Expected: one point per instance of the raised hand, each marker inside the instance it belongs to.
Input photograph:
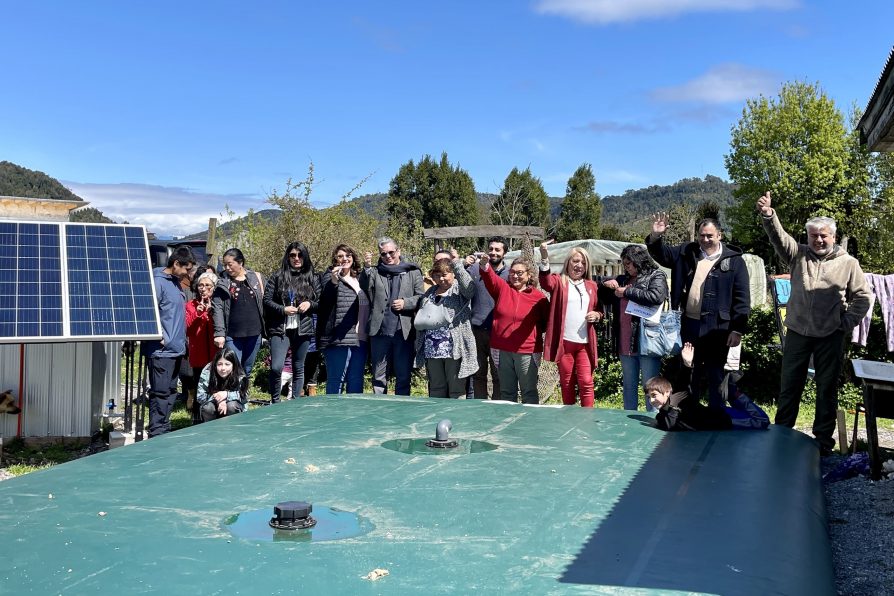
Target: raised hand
(544, 251)
(453, 254)
(660, 221)
(687, 353)
(470, 260)
(368, 259)
(765, 204)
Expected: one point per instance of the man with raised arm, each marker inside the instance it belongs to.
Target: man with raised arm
(829, 297)
(709, 283)
(482, 317)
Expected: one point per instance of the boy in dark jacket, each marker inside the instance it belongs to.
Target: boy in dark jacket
(678, 410)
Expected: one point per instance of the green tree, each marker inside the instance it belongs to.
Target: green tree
(264, 239)
(89, 215)
(433, 194)
(796, 146)
(521, 202)
(581, 209)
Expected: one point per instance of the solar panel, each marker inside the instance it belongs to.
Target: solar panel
(68, 281)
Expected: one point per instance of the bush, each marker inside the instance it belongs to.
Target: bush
(762, 361)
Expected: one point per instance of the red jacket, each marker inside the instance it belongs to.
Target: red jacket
(555, 325)
(519, 317)
(199, 335)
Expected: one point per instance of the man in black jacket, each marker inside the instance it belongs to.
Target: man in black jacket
(709, 283)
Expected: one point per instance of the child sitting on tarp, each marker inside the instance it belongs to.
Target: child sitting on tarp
(678, 410)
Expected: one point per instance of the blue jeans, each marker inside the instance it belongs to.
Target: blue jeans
(279, 345)
(631, 368)
(345, 365)
(246, 349)
(397, 352)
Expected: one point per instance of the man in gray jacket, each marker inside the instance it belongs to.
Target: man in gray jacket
(829, 297)
(394, 287)
(164, 356)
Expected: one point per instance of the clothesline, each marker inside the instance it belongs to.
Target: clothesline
(882, 290)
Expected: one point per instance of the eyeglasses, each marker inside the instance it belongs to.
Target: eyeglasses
(388, 253)
(518, 272)
(294, 255)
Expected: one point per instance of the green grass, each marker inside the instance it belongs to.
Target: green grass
(20, 458)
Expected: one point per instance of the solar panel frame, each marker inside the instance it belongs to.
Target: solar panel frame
(69, 281)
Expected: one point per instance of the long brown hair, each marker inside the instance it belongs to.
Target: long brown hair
(356, 267)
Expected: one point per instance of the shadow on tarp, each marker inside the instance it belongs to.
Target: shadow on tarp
(731, 512)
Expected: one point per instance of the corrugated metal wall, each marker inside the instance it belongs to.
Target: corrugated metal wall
(66, 386)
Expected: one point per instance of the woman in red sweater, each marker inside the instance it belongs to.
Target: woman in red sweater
(570, 336)
(200, 331)
(520, 312)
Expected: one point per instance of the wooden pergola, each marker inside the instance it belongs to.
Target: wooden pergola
(483, 232)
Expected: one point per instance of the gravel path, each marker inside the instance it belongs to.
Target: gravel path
(861, 528)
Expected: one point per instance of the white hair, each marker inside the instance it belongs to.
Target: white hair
(818, 223)
(386, 240)
(209, 276)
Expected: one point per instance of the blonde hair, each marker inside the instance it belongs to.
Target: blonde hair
(576, 251)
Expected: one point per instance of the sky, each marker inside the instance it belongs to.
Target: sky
(167, 113)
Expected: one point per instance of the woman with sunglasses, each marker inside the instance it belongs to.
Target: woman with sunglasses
(290, 299)
(519, 317)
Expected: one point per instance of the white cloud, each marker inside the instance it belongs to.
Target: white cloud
(625, 11)
(723, 83)
(166, 211)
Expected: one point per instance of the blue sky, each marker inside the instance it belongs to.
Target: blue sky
(163, 112)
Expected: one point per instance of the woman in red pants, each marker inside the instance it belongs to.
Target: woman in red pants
(570, 339)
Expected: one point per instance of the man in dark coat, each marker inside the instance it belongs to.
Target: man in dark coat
(709, 284)
(394, 287)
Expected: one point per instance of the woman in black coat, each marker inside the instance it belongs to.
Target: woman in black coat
(290, 299)
(645, 284)
(342, 322)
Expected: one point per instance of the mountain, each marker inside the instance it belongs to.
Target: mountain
(628, 212)
(16, 181)
(225, 229)
(635, 206)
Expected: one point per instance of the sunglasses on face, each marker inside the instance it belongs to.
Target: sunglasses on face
(388, 253)
(294, 255)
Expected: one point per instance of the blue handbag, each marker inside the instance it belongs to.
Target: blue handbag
(662, 338)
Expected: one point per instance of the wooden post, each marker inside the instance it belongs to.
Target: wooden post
(211, 240)
(842, 432)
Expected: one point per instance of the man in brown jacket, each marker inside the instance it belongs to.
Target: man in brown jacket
(829, 297)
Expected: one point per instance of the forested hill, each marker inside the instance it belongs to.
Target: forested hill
(636, 205)
(16, 181)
